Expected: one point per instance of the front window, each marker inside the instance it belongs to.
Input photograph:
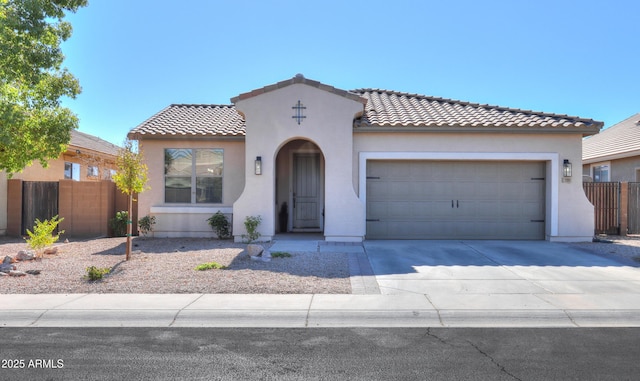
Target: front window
(193, 176)
(601, 173)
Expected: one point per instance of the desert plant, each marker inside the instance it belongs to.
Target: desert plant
(145, 224)
(280, 254)
(42, 235)
(119, 223)
(251, 224)
(209, 266)
(96, 273)
(220, 225)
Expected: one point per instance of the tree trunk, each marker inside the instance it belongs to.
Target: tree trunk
(129, 226)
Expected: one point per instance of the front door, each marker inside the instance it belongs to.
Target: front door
(307, 200)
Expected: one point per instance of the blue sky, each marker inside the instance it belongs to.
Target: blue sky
(135, 57)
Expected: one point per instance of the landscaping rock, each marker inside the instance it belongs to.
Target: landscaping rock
(254, 250)
(7, 260)
(17, 273)
(7, 267)
(263, 255)
(266, 255)
(51, 250)
(33, 272)
(25, 255)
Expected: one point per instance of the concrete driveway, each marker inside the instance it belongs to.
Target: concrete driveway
(447, 270)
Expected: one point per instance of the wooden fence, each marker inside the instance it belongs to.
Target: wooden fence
(86, 206)
(633, 226)
(605, 198)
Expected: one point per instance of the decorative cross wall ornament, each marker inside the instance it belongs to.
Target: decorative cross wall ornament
(298, 116)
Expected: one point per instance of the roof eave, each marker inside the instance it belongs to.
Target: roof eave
(584, 131)
(617, 156)
(299, 79)
(141, 136)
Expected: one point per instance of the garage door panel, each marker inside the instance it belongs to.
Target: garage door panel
(533, 189)
(480, 190)
(450, 200)
(509, 190)
(535, 210)
(401, 189)
(377, 210)
(400, 209)
(377, 190)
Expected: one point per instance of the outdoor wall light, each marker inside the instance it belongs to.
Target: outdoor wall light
(258, 165)
(566, 168)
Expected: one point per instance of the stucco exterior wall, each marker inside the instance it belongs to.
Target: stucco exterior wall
(189, 220)
(569, 214)
(627, 169)
(328, 124)
(55, 168)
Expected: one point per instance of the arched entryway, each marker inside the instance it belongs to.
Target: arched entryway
(299, 187)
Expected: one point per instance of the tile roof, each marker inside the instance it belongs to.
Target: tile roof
(180, 120)
(299, 78)
(616, 142)
(395, 110)
(94, 143)
(382, 110)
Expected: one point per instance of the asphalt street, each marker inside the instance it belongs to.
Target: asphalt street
(319, 354)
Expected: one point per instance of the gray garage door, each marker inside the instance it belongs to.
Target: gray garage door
(455, 200)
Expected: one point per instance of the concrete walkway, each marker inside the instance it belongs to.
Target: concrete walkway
(395, 284)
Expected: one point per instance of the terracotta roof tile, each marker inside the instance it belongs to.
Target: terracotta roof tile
(299, 78)
(394, 109)
(618, 141)
(192, 120)
(382, 110)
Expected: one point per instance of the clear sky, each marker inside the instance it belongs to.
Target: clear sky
(135, 57)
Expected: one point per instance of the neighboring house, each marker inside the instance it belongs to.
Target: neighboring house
(87, 158)
(365, 164)
(614, 153)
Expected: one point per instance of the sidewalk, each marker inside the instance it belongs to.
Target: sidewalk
(458, 284)
(309, 311)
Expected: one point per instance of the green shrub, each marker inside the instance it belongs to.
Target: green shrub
(280, 254)
(96, 273)
(209, 266)
(220, 225)
(42, 235)
(251, 224)
(145, 224)
(119, 223)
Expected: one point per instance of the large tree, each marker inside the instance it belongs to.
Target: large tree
(33, 124)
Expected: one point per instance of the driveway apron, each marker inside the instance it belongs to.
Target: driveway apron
(443, 269)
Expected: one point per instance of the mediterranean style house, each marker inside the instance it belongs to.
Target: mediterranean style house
(365, 164)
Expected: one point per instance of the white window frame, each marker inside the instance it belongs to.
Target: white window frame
(75, 171)
(195, 176)
(595, 166)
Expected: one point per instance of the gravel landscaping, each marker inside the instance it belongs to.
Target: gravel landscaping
(621, 247)
(163, 265)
